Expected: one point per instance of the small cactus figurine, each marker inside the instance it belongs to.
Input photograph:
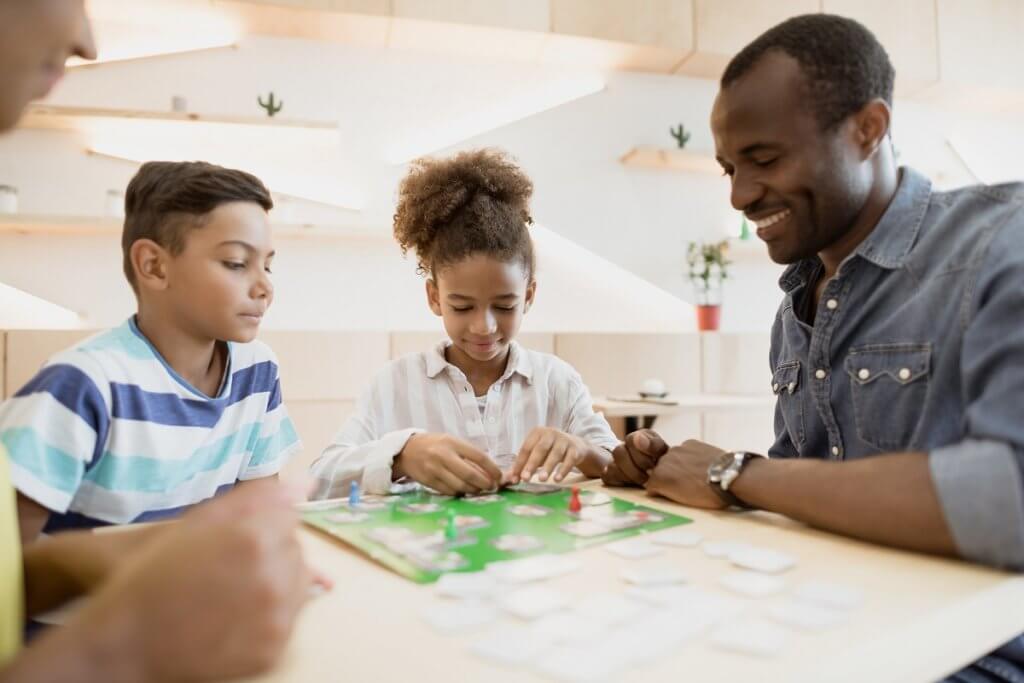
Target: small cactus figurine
(681, 135)
(271, 106)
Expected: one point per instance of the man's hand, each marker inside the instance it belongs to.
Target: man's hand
(213, 596)
(633, 460)
(547, 452)
(682, 475)
(447, 464)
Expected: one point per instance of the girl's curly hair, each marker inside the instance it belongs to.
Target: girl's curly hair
(475, 202)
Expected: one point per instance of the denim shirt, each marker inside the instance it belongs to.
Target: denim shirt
(918, 345)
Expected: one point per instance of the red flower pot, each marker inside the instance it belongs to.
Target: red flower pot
(708, 317)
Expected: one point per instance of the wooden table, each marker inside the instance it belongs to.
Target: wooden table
(922, 618)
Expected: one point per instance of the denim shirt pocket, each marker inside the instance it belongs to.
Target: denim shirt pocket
(889, 383)
(786, 386)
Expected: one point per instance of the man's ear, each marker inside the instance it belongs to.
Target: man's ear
(433, 297)
(149, 262)
(531, 291)
(872, 126)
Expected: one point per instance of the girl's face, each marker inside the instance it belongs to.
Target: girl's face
(482, 302)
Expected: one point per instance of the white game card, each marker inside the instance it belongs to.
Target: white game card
(585, 529)
(608, 608)
(346, 517)
(678, 538)
(459, 616)
(634, 548)
(752, 584)
(762, 560)
(528, 510)
(719, 549)
(805, 616)
(467, 585)
(750, 637)
(582, 663)
(534, 568)
(567, 627)
(829, 594)
(533, 601)
(653, 576)
(517, 543)
(511, 645)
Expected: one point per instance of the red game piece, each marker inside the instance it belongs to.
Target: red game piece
(574, 501)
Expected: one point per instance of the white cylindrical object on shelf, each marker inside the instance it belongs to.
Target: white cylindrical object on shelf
(8, 199)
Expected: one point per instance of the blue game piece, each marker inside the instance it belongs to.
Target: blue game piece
(353, 494)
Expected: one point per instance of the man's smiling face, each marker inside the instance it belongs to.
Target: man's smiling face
(797, 183)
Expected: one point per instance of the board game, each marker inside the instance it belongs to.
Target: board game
(422, 535)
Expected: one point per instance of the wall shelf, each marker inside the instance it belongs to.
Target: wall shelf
(671, 159)
(55, 117)
(35, 224)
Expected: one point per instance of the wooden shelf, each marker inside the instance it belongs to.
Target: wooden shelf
(53, 117)
(672, 159)
(31, 224)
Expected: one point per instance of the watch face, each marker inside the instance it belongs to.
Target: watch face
(719, 467)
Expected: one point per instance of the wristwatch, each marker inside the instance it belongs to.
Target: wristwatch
(723, 472)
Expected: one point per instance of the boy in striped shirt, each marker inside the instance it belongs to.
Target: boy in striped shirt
(179, 403)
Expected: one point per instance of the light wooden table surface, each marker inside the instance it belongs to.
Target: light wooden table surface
(683, 403)
(922, 617)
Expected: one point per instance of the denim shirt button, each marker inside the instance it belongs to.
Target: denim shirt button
(775, 387)
(905, 373)
(820, 373)
(791, 387)
(864, 373)
(835, 450)
(832, 304)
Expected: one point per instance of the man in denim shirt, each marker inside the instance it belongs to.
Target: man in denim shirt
(901, 332)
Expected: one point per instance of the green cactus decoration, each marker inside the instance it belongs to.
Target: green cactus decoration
(681, 135)
(271, 106)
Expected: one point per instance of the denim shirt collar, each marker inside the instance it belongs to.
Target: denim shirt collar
(888, 245)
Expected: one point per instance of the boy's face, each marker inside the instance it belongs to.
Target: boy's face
(219, 286)
(36, 38)
(482, 302)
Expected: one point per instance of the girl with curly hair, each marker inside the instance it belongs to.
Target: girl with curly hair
(478, 411)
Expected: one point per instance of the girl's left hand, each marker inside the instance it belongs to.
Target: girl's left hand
(546, 452)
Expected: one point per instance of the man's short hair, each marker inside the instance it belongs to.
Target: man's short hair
(166, 199)
(844, 64)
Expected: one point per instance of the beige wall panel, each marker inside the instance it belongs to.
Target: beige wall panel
(604, 54)
(3, 365)
(736, 363)
(327, 365)
(519, 15)
(980, 42)
(660, 23)
(316, 422)
(906, 29)
(724, 27)
(364, 23)
(27, 350)
(618, 363)
(404, 343)
(735, 430)
(456, 38)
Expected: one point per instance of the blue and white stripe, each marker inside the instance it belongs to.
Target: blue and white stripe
(108, 433)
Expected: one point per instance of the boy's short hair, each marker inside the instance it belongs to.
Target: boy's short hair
(166, 199)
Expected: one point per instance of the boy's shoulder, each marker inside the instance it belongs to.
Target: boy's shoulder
(252, 353)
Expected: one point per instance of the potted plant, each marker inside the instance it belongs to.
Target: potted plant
(707, 268)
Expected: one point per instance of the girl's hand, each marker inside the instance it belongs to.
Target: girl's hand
(546, 452)
(447, 464)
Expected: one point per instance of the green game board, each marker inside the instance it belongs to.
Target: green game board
(388, 530)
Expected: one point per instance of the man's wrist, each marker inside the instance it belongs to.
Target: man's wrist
(726, 470)
(744, 486)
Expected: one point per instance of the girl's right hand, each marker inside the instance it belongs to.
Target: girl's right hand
(447, 464)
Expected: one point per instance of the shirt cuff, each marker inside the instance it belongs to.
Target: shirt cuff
(981, 490)
(377, 473)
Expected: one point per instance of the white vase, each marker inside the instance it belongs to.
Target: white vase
(115, 204)
(8, 199)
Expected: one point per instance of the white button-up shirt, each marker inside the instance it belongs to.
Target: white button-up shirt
(423, 392)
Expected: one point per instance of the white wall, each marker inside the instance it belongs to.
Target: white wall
(636, 219)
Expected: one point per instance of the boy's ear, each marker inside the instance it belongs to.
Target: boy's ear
(531, 291)
(433, 297)
(149, 261)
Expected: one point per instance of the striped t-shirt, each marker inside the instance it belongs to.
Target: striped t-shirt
(108, 433)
